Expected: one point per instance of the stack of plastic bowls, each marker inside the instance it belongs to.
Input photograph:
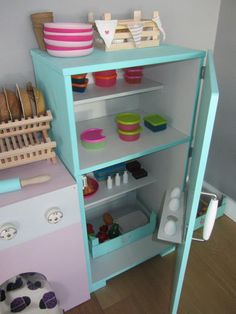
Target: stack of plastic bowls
(105, 78)
(79, 83)
(68, 39)
(133, 75)
(128, 126)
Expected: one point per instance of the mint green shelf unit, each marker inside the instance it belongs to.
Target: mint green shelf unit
(171, 88)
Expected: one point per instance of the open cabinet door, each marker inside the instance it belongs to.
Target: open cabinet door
(202, 138)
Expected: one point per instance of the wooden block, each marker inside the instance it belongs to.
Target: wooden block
(137, 15)
(107, 16)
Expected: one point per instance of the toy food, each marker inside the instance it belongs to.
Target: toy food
(13, 104)
(90, 188)
(133, 166)
(141, 173)
(102, 234)
(25, 102)
(4, 111)
(114, 231)
(93, 138)
(107, 218)
(90, 229)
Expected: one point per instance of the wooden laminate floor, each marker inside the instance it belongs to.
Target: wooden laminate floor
(209, 287)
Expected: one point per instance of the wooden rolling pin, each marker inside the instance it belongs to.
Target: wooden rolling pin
(15, 184)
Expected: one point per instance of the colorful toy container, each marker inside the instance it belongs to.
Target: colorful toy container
(105, 78)
(80, 88)
(129, 136)
(128, 121)
(155, 122)
(133, 75)
(93, 138)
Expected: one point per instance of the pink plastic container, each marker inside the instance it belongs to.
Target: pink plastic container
(131, 79)
(125, 127)
(106, 81)
(134, 71)
(105, 73)
(129, 136)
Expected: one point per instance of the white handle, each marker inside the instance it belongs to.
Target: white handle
(210, 219)
(35, 180)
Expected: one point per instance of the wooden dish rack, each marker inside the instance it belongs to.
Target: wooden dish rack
(26, 141)
(123, 39)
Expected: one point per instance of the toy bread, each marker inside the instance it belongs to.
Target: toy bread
(13, 104)
(39, 101)
(37, 98)
(25, 102)
(4, 110)
(30, 92)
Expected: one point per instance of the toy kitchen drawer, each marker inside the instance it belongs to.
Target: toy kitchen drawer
(36, 209)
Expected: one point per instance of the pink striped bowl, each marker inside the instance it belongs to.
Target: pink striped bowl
(87, 33)
(68, 43)
(67, 27)
(69, 38)
(69, 51)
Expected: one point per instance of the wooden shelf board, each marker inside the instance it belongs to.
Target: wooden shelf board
(111, 264)
(117, 150)
(103, 194)
(95, 93)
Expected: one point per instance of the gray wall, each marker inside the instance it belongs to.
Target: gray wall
(191, 23)
(221, 168)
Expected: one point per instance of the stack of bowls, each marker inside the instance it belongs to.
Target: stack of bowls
(68, 39)
(105, 78)
(128, 126)
(79, 83)
(133, 75)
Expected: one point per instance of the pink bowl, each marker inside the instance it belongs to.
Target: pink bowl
(69, 38)
(70, 52)
(129, 138)
(126, 127)
(68, 43)
(50, 47)
(87, 33)
(67, 27)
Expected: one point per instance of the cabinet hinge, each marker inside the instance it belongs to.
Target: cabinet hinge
(190, 152)
(203, 72)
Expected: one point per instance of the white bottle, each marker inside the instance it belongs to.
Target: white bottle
(117, 179)
(109, 183)
(125, 177)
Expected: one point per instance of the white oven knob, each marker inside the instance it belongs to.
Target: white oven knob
(7, 232)
(54, 215)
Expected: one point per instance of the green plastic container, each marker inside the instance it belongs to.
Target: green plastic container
(155, 122)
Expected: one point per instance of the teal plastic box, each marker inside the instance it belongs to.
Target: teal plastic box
(98, 249)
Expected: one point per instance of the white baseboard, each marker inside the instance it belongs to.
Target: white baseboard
(230, 208)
